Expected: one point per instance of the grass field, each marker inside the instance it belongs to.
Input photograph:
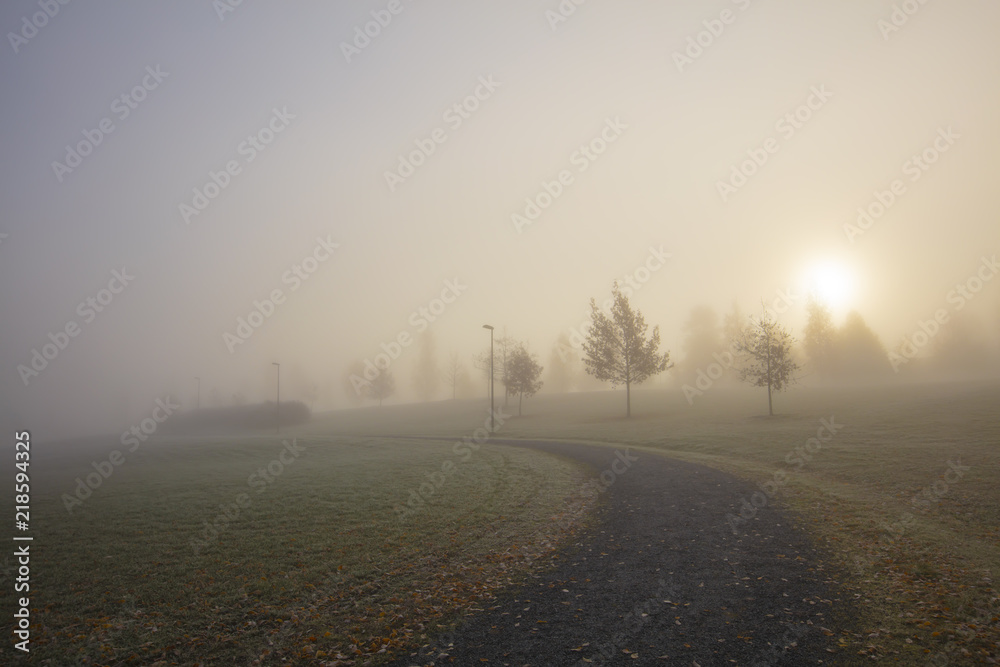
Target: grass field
(313, 562)
(917, 540)
(315, 565)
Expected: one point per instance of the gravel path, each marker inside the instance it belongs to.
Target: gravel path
(661, 579)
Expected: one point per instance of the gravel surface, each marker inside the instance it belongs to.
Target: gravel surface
(662, 578)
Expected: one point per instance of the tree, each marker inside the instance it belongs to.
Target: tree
(960, 347)
(505, 346)
(428, 376)
(702, 343)
(454, 372)
(522, 374)
(563, 365)
(859, 352)
(616, 349)
(734, 327)
(767, 348)
(381, 387)
(820, 341)
(481, 362)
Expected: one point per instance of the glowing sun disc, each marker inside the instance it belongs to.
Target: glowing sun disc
(831, 284)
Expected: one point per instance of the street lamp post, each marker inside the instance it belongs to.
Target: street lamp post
(197, 403)
(492, 417)
(277, 403)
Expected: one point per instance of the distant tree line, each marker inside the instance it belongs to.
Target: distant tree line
(617, 348)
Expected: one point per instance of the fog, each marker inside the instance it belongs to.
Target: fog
(176, 173)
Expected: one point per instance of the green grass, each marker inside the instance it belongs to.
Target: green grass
(318, 564)
(925, 586)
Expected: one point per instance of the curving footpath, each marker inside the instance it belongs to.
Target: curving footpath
(661, 579)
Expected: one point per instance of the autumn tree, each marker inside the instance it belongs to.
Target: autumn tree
(381, 387)
(767, 356)
(616, 349)
(523, 373)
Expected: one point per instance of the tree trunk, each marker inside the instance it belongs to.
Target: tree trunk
(770, 410)
(628, 399)
(520, 400)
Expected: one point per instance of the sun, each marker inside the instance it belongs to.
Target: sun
(832, 284)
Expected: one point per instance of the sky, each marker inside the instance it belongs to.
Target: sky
(182, 163)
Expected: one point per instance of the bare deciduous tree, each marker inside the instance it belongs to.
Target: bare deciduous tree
(454, 373)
